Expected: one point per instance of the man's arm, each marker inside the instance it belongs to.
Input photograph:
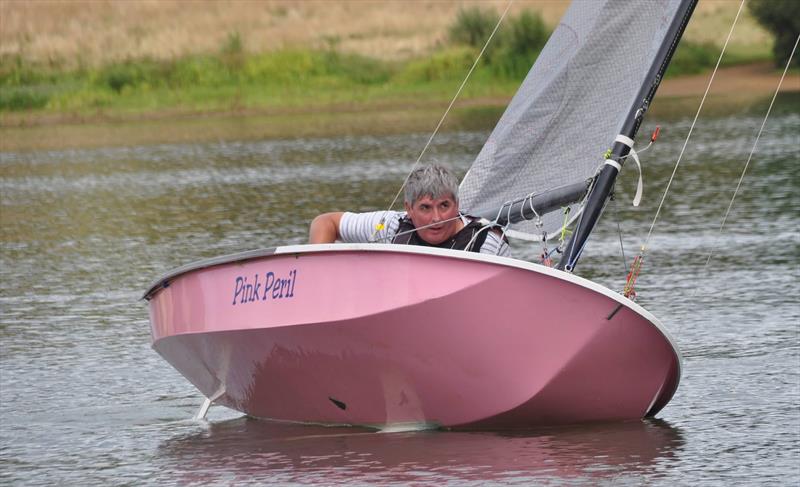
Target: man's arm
(325, 228)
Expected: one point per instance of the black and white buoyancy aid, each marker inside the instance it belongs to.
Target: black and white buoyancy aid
(406, 234)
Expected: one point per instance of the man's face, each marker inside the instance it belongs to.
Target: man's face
(432, 211)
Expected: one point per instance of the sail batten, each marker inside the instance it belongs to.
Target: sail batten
(571, 105)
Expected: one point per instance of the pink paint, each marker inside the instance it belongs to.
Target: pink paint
(389, 335)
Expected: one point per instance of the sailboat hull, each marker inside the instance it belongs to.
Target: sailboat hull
(400, 336)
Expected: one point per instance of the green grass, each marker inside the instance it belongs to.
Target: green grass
(301, 78)
(693, 58)
(290, 78)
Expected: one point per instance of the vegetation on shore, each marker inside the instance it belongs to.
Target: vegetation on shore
(782, 18)
(233, 78)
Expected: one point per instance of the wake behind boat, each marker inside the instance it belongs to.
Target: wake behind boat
(395, 336)
(354, 334)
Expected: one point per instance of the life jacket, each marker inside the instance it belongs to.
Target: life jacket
(406, 234)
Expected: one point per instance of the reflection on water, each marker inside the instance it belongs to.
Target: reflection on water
(84, 400)
(250, 450)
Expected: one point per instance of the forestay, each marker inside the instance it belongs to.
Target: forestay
(571, 105)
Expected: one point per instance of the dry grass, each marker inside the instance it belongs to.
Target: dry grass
(93, 32)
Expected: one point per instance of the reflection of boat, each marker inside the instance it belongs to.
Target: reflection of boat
(257, 451)
(389, 336)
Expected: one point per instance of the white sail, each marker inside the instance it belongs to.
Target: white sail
(571, 105)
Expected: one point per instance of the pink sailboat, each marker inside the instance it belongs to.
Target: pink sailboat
(401, 336)
(317, 335)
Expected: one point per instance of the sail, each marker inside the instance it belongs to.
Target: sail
(571, 105)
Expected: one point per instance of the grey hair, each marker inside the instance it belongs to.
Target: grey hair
(431, 180)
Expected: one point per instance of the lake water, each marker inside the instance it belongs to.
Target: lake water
(84, 400)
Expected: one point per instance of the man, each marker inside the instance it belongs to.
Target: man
(431, 219)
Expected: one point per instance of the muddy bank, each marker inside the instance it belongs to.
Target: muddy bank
(734, 89)
(749, 79)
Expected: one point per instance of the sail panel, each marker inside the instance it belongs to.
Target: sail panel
(571, 105)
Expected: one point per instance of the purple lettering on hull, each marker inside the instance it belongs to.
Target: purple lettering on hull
(276, 287)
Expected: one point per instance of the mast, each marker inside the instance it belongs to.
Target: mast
(604, 182)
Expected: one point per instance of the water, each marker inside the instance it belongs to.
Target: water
(84, 400)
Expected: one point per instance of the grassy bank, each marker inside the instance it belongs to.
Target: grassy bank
(235, 90)
(233, 80)
(233, 77)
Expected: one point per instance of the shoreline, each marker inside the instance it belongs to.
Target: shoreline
(740, 85)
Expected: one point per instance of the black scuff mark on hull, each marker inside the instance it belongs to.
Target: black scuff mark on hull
(338, 404)
(619, 307)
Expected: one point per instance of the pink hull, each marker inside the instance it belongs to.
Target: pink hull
(384, 336)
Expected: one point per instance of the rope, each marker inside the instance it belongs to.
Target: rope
(475, 236)
(744, 170)
(630, 281)
(564, 232)
(398, 234)
(691, 129)
(441, 120)
(752, 151)
(619, 233)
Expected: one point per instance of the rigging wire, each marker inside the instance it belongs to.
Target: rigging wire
(744, 170)
(398, 234)
(691, 129)
(636, 266)
(619, 233)
(752, 151)
(653, 138)
(380, 226)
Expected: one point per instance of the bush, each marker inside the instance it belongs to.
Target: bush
(15, 71)
(520, 45)
(232, 52)
(691, 58)
(526, 33)
(131, 74)
(450, 64)
(515, 47)
(782, 18)
(473, 26)
(358, 69)
(22, 98)
(199, 70)
(286, 67)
